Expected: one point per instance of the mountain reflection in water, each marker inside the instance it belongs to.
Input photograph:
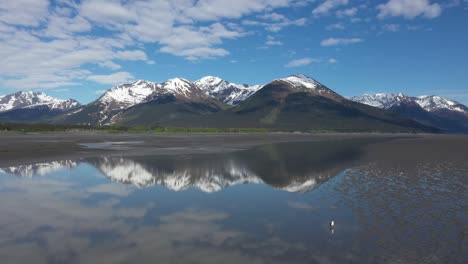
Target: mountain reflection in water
(293, 167)
(396, 201)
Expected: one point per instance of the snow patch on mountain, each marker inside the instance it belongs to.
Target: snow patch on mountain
(301, 80)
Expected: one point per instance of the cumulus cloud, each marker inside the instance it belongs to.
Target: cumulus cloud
(131, 55)
(114, 78)
(47, 46)
(109, 12)
(194, 43)
(275, 22)
(409, 9)
(300, 62)
(24, 12)
(328, 5)
(215, 9)
(339, 41)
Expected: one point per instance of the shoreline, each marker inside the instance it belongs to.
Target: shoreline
(18, 148)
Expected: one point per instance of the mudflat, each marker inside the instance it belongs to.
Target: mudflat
(18, 148)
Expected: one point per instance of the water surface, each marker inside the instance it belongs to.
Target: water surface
(391, 201)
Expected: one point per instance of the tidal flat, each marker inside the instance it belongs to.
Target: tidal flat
(234, 198)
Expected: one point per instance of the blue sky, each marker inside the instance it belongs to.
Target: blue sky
(77, 49)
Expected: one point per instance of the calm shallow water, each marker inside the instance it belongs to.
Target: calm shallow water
(269, 204)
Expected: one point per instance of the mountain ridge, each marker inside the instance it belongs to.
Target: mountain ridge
(448, 115)
(296, 102)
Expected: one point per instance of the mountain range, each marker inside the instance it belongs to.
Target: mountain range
(294, 103)
(433, 111)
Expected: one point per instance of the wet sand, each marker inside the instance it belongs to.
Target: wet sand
(18, 149)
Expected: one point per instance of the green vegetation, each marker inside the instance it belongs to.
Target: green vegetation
(28, 128)
(203, 130)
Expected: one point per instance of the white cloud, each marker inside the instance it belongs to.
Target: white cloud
(275, 26)
(350, 12)
(300, 62)
(110, 12)
(114, 78)
(194, 43)
(131, 55)
(391, 27)
(332, 60)
(62, 27)
(215, 9)
(23, 12)
(273, 17)
(110, 65)
(275, 22)
(48, 46)
(409, 9)
(339, 41)
(327, 6)
(271, 41)
(337, 26)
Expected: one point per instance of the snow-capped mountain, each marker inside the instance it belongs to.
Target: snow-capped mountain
(297, 102)
(383, 100)
(116, 99)
(109, 107)
(309, 85)
(20, 100)
(436, 111)
(226, 92)
(126, 95)
(434, 103)
(428, 103)
(180, 88)
(39, 169)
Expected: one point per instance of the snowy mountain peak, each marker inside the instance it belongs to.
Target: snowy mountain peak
(30, 99)
(177, 83)
(383, 100)
(128, 94)
(224, 91)
(429, 103)
(434, 103)
(301, 80)
(210, 81)
(180, 86)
